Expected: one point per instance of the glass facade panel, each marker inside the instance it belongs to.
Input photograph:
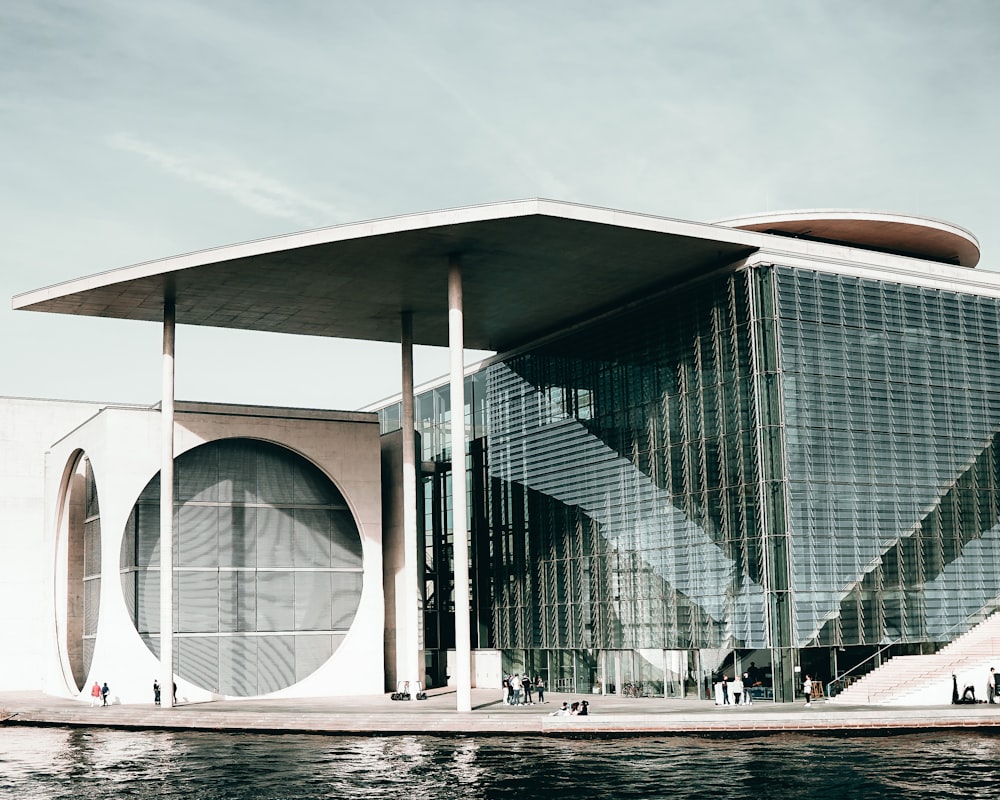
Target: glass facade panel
(267, 564)
(889, 459)
(91, 595)
(773, 459)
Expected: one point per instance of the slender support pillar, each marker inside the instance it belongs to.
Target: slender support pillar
(460, 525)
(409, 660)
(167, 509)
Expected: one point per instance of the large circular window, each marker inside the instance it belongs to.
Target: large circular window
(267, 567)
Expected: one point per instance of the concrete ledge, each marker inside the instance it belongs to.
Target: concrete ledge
(380, 716)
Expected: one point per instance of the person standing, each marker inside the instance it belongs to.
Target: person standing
(737, 690)
(725, 690)
(95, 694)
(540, 688)
(104, 693)
(526, 683)
(156, 692)
(807, 688)
(747, 697)
(515, 690)
(991, 687)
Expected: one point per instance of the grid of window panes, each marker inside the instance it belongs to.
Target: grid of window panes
(432, 417)
(267, 567)
(91, 566)
(891, 410)
(622, 478)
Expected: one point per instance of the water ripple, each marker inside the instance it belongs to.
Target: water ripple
(52, 764)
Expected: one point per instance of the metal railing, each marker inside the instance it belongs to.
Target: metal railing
(846, 678)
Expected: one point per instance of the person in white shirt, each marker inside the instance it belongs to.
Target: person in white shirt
(515, 688)
(737, 689)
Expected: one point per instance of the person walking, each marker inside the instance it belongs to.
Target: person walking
(156, 692)
(807, 688)
(95, 694)
(104, 693)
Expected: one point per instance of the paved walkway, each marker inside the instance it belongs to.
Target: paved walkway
(610, 716)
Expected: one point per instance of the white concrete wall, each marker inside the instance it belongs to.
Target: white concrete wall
(27, 428)
(123, 445)
(937, 691)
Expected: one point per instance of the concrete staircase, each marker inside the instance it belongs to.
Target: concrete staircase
(926, 680)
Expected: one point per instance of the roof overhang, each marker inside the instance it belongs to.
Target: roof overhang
(528, 268)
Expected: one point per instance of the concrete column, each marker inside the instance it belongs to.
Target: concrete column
(460, 525)
(167, 508)
(409, 655)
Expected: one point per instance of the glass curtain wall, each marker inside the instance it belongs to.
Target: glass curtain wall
(623, 484)
(776, 459)
(891, 410)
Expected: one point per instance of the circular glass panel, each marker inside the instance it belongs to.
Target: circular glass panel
(267, 567)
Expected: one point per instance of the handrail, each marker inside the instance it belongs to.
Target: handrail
(839, 678)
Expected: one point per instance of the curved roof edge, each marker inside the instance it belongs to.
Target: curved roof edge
(899, 234)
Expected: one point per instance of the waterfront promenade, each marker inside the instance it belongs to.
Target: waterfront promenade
(610, 716)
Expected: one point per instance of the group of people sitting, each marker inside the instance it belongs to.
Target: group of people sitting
(579, 709)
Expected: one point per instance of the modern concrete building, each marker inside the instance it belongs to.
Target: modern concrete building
(277, 550)
(770, 440)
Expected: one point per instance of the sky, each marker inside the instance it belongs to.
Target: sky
(136, 131)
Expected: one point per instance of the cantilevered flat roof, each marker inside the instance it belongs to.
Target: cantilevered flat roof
(528, 268)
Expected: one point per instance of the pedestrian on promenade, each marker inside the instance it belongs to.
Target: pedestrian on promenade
(725, 690)
(95, 694)
(104, 693)
(807, 687)
(747, 697)
(540, 688)
(737, 690)
(515, 690)
(526, 684)
(156, 691)
(991, 687)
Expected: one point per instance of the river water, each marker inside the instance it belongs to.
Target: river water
(87, 764)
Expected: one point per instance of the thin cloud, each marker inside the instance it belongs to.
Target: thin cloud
(248, 188)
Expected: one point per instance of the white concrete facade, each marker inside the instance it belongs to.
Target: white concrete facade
(27, 428)
(122, 445)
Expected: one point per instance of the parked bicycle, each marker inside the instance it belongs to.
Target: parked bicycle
(633, 690)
